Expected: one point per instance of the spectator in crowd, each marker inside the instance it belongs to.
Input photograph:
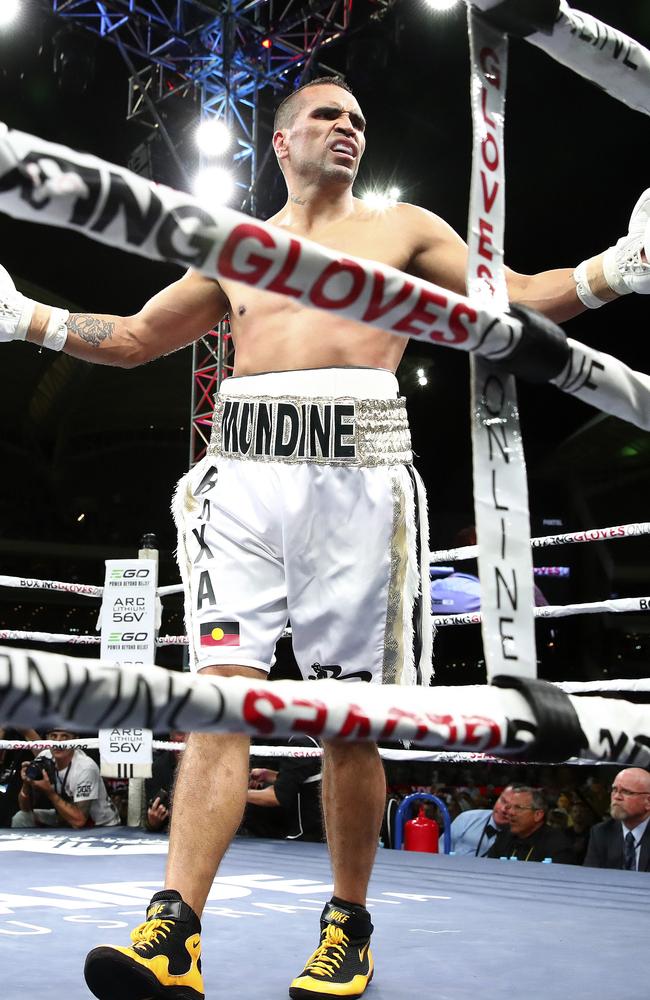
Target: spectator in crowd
(623, 841)
(286, 803)
(159, 787)
(474, 831)
(70, 782)
(457, 593)
(582, 820)
(11, 762)
(528, 838)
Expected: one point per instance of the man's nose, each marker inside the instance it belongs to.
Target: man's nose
(345, 125)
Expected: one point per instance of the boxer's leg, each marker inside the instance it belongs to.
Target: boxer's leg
(208, 804)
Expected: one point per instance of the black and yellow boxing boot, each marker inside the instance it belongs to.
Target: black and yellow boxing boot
(342, 965)
(164, 961)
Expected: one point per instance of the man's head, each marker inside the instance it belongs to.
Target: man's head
(500, 814)
(318, 133)
(526, 810)
(630, 796)
(63, 756)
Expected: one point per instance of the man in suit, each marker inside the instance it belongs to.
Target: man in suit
(624, 840)
(474, 831)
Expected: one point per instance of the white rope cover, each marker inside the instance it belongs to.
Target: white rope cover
(441, 556)
(542, 541)
(622, 604)
(617, 606)
(85, 589)
(44, 689)
(608, 57)
(48, 183)
(394, 753)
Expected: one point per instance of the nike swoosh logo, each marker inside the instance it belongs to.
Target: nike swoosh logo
(362, 952)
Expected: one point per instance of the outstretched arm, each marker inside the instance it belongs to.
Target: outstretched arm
(440, 255)
(174, 317)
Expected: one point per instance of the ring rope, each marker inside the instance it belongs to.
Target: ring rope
(541, 541)
(603, 55)
(441, 556)
(392, 753)
(618, 606)
(44, 689)
(84, 589)
(61, 186)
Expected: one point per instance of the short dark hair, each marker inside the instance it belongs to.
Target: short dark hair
(286, 112)
(537, 797)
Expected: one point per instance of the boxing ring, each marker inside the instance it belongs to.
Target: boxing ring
(497, 919)
(447, 926)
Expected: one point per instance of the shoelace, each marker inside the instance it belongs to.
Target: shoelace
(330, 953)
(146, 935)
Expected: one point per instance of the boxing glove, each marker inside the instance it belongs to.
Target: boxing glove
(626, 265)
(16, 312)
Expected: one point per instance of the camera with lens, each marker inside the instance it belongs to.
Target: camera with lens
(40, 766)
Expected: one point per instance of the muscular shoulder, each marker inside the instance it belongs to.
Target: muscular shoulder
(436, 251)
(424, 227)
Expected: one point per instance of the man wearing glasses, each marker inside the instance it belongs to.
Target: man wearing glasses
(624, 840)
(527, 837)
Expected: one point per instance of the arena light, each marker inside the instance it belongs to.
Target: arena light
(421, 376)
(440, 6)
(379, 200)
(213, 137)
(9, 10)
(214, 186)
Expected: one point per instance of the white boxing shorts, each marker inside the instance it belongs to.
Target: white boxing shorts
(307, 509)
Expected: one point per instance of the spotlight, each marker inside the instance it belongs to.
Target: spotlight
(9, 10)
(381, 199)
(214, 186)
(213, 137)
(441, 5)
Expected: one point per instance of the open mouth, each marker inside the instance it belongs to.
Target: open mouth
(344, 149)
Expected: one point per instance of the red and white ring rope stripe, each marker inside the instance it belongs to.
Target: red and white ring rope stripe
(40, 689)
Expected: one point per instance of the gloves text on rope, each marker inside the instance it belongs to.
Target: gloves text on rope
(17, 311)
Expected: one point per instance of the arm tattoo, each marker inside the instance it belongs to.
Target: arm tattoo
(90, 328)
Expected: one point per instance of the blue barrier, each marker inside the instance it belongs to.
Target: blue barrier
(406, 804)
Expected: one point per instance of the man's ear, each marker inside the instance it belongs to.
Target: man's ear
(280, 144)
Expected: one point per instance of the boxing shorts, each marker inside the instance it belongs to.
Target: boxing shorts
(307, 510)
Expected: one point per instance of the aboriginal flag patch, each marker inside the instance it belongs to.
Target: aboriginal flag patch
(220, 634)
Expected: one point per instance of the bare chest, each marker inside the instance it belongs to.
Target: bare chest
(281, 271)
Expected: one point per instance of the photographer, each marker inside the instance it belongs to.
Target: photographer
(286, 803)
(158, 788)
(11, 761)
(70, 780)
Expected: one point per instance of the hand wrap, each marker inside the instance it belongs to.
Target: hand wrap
(16, 312)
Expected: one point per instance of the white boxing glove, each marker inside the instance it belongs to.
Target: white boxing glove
(626, 266)
(16, 312)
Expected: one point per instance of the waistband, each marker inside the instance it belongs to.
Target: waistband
(331, 416)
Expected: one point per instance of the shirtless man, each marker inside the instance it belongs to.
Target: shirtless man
(306, 506)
